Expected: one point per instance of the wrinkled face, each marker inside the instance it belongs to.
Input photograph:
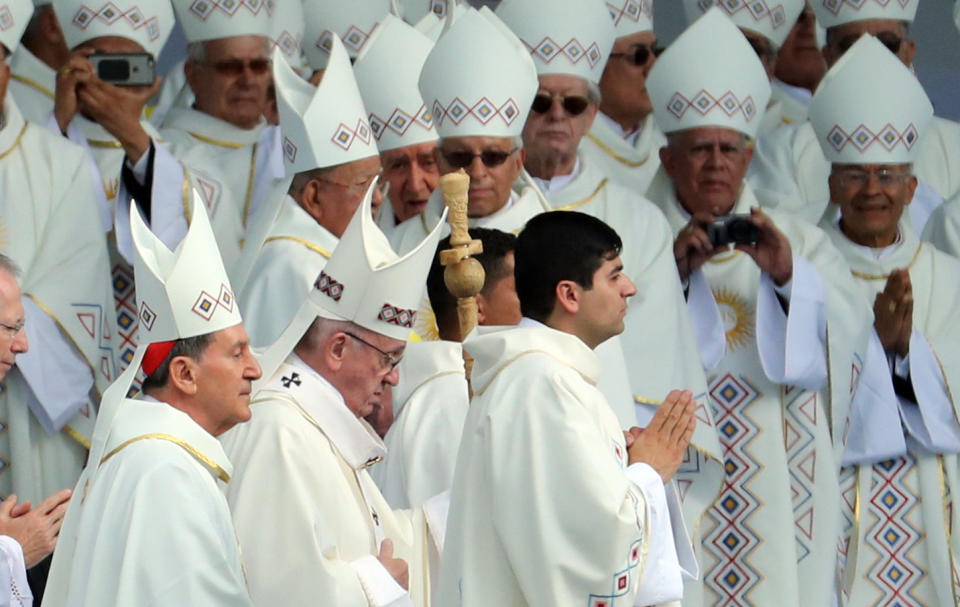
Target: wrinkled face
(231, 83)
(872, 199)
(501, 306)
(707, 166)
(413, 175)
(888, 31)
(382, 416)
(225, 373)
(604, 306)
(623, 84)
(556, 133)
(367, 370)
(489, 185)
(13, 339)
(342, 191)
(799, 61)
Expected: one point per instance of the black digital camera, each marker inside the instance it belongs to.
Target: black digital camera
(736, 229)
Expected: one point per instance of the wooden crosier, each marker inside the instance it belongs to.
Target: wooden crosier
(463, 274)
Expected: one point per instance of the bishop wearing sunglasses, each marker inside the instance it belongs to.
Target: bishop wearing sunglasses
(624, 139)
(481, 87)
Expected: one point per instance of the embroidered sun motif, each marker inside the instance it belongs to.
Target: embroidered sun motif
(426, 323)
(738, 317)
(111, 187)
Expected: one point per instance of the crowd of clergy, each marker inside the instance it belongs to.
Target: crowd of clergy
(717, 334)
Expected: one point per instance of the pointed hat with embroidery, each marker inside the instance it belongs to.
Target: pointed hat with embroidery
(413, 11)
(387, 71)
(692, 85)
(569, 37)
(286, 30)
(831, 13)
(14, 17)
(631, 16)
(354, 21)
(322, 126)
(869, 108)
(364, 282)
(209, 19)
(772, 19)
(479, 79)
(146, 23)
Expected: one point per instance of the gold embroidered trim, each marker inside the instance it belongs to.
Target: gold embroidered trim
(186, 195)
(34, 84)
(223, 144)
(200, 457)
(618, 157)
(104, 144)
(16, 141)
(305, 243)
(886, 276)
(575, 205)
(249, 197)
(77, 436)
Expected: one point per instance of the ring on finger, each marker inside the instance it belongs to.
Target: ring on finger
(892, 306)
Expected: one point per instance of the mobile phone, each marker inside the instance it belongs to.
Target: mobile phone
(125, 69)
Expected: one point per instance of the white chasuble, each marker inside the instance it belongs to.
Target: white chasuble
(33, 85)
(898, 545)
(283, 272)
(303, 458)
(49, 226)
(943, 227)
(246, 161)
(545, 509)
(631, 162)
(656, 315)
(154, 527)
(770, 537)
(429, 407)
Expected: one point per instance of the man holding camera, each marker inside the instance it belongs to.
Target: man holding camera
(784, 382)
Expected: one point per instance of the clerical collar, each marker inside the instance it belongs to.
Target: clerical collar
(878, 253)
(555, 184)
(628, 136)
(799, 94)
(479, 222)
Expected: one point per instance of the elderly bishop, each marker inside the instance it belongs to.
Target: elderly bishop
(901, 451)
(780, 392)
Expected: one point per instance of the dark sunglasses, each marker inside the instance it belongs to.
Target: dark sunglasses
(573, 105)
(888, 39)
(235, 67)
(489, 158)
(640, 54)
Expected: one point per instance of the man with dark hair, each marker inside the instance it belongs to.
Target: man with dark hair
(553, 504)
(431, 399)
(496, 303)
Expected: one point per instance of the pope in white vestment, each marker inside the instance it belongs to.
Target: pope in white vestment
(50, 228)
(429, 406)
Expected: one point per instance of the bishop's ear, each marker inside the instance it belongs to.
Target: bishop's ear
(183, 374)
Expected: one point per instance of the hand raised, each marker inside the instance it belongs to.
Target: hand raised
(772, 251)
(692, 247)
(398, 568)
(662, 443)
(37, 530)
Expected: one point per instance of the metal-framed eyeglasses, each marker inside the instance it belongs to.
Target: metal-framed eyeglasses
(886, 177)
(389, 359)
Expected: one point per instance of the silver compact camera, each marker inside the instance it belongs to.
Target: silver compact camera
(125, 69)
(736, 229)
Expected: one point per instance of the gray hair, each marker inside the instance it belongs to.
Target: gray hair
(191, 347)
(301, 179)
(673, 139)
(9, 266)
(593, 93)
(517, 141)
(197, 51)
(322, 328)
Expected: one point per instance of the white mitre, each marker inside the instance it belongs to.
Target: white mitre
(387, 71)
(354, 21)
(569, 37)
(14, 17)
(631, 16)
(831, 13)
(413, 11)
(772, 19)
(693, 85)
(146, 23)
(869, 108)
(364, 282)
(479, 79)
(209, 19)
(286, 30)
(322, 126)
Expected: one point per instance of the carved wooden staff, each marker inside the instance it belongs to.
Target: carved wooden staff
(463, 275)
